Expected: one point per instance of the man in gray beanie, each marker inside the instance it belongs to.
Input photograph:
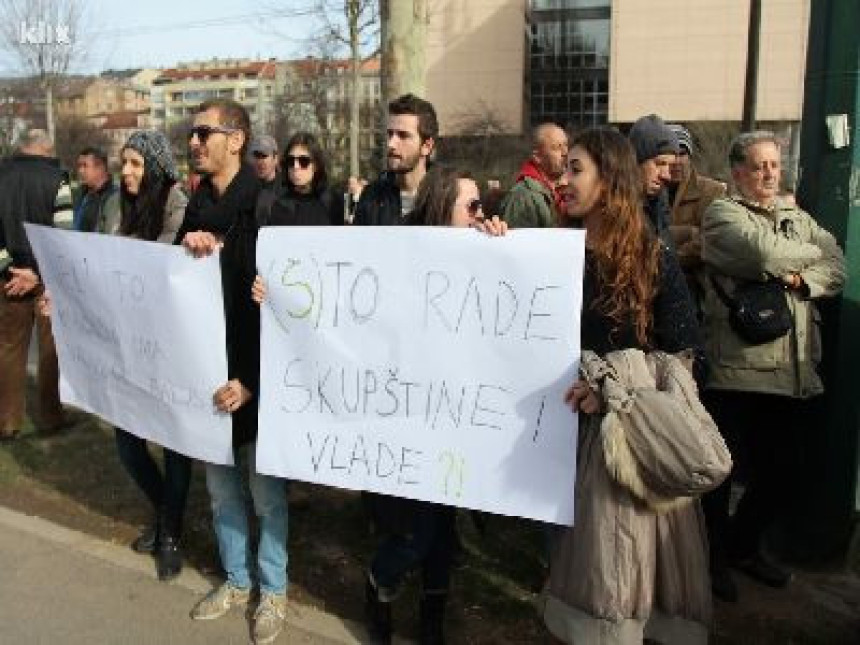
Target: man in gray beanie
(689, 194)
(656, 147)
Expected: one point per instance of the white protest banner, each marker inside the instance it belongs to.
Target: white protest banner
(428, 363)
(139, 328)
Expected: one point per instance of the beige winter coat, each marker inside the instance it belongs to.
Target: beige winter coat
(744, 241)
(635, 561)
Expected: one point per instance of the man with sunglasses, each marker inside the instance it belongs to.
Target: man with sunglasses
(222, 214)
(412, 133)
(264, 157)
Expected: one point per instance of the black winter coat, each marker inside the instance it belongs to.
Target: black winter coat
(379, 204)
(28, 193)
(232, 216)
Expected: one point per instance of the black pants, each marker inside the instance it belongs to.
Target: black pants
(763, 432)
(167, 493)
(429, 544)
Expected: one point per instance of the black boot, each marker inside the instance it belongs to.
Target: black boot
(378, 614)
(168, 556)
(147, 541)
(432, 618)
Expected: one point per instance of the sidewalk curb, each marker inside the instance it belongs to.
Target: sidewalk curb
(305, 618)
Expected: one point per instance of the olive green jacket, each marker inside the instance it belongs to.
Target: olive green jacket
(529, 204)
(743, 241)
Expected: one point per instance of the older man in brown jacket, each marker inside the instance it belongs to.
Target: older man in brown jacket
(690, 194)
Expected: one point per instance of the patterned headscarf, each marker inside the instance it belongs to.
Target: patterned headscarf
(155, 150)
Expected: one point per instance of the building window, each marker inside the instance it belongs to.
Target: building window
(569, 61)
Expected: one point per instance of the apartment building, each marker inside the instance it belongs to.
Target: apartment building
(177, 91)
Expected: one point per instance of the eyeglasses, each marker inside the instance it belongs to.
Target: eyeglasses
(203, 132)
(260, 155)
(303, 160)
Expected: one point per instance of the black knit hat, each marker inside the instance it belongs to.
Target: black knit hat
(651, 137)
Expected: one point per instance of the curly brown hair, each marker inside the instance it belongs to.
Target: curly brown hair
(625, 248)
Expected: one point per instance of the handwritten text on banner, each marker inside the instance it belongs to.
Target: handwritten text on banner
(139, 329)
(428, 363)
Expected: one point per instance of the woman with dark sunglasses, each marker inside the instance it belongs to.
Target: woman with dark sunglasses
(422, 535)
(305, 199)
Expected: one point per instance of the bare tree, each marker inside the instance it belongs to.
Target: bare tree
(74, 133)
(45, 38)
(177, 135)
(483, 143)
(353, 24)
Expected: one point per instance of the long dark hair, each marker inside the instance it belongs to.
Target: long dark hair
(437, 194)
(320, 180)
(143, 214)
(625, 247)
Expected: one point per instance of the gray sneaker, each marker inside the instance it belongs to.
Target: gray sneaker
(219, 601)
(269, 617)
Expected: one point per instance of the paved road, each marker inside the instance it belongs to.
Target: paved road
(60, 586)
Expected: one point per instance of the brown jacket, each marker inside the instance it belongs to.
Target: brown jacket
(693, 197)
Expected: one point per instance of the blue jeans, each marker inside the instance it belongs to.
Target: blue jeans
(230, 517)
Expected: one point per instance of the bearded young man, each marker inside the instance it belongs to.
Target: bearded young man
(412, 133)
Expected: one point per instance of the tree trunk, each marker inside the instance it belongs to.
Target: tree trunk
(49, 108)
(404, 32)
(354, 105)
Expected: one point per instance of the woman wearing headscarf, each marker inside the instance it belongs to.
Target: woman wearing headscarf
(152, 205)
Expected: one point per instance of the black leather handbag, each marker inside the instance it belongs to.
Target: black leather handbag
(758, 311)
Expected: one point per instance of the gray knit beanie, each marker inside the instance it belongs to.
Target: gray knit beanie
(651, 137)
(154, 147)
(685, 139)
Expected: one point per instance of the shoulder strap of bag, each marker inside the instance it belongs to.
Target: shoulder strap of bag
(723, 295)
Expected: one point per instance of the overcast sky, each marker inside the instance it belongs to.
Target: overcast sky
(161, 33)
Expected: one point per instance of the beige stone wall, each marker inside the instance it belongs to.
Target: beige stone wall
(475, 62)
(686, 59)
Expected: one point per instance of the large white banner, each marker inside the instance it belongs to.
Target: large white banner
(139, 328)
(428, 363)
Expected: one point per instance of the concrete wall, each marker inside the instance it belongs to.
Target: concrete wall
(476, 62)
(686, 59)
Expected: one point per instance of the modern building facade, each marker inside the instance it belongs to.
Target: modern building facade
(476, 65)
(695, 70)
(597, 61)
(569, 61)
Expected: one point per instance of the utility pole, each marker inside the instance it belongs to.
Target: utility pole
(404, 45)
(751, 80)
(829, 169)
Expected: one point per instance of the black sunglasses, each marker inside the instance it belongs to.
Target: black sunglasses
(203, 132)
(303, 160)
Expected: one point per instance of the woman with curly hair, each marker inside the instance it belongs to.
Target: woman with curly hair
(634, 297)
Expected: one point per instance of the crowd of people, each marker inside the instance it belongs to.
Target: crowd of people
(670, 257)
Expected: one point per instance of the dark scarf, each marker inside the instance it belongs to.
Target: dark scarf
(207, 211)
(231, 216)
